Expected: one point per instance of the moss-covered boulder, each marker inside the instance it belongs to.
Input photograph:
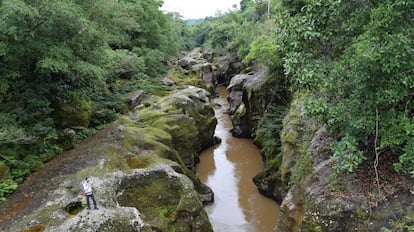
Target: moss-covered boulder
(189, 118)
(165, 199)
(137, 165)
(77, 110)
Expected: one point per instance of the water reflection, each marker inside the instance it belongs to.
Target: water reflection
(228, 168)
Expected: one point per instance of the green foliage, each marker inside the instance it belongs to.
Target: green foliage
(403, 224)
(70, 63)
(356, 58)
(346, 156)
(124, 64)
(245, 4)
(406, 160)
(268, 133)
(315, 106)
(7, 187)
(9, 132)
(83, 132)
(264, 51)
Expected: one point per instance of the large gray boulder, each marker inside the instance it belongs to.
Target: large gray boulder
(249, 95)
(194, 63)
(235, 91)
(207, 75)
(228, 65)
(191, 58)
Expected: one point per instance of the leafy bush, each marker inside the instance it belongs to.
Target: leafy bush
(268, 131)
(7, 187)
(346, 156)
(406, 160)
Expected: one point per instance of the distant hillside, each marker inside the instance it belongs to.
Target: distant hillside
(194, 21)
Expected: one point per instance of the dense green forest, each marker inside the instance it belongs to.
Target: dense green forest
(68, 64)
(354, 60)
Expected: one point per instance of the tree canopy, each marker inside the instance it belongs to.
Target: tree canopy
(66, 64)
(355, 58)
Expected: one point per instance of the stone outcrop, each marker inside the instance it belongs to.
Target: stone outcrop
(139, 169)
(310, 203)
(194, 63)
(211, 66)
(135, 98)
(191, 58)
(300, 178)
(249, 95)
(227, 65)
(189, 118)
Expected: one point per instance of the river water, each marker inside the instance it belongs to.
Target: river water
(228, 169)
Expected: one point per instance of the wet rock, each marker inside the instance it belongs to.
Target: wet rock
(208, 76)
(209, 54)
(270, 185)
(235, 89)
(73, 207)
(227, 65)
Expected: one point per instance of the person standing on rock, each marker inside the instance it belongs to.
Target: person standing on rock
(88, 189)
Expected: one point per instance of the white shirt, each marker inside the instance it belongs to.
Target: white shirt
(87, 187)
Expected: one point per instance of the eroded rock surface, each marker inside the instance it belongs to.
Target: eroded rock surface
(213, 67)
(194, 62)
(249, 95)
(138, 169)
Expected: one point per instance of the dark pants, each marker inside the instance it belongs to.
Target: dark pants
(93, 199)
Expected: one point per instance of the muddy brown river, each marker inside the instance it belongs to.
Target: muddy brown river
(228, 169)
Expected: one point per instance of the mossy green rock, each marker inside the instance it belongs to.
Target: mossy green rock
(189, 119)
(166, 200)
(76, 112)
(138, 169)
